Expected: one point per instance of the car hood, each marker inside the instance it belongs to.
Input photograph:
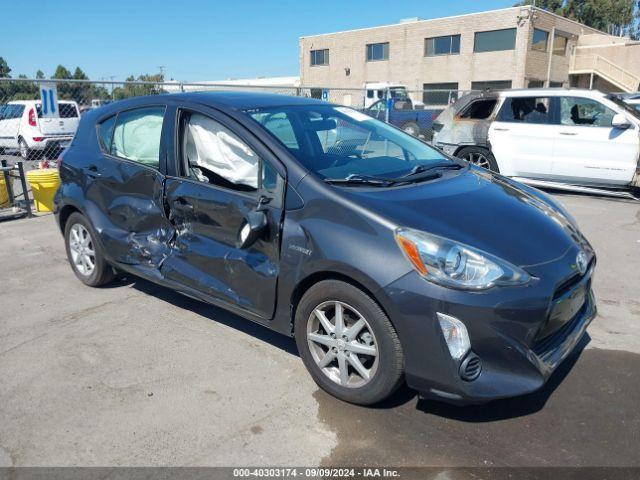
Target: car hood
(482, 210)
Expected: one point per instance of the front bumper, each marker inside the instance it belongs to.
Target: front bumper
(504, 326)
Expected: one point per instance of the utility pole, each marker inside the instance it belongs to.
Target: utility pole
(161, 68)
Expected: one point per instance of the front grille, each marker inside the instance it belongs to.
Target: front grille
(471, 367)
(571, 283)
(554, 340)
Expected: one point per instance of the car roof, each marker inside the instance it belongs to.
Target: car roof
(29, 102)
(549, 92)
(237, 100)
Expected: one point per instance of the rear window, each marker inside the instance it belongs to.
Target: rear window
(66, 110)
(8, 112)
(479, 110)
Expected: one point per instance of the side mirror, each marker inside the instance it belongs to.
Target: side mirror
(620, 121)
(255, 223)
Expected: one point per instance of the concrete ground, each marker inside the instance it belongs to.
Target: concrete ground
(135, 374)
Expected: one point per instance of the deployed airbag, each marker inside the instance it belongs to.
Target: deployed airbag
(211, 146)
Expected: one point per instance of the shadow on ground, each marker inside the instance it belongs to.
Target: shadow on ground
(586, 415)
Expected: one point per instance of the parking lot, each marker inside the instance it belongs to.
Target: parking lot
(135, 374)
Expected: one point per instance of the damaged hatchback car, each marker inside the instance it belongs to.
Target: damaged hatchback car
(385, 259)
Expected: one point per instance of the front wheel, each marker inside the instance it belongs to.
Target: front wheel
(480, 157)
(347, 343)
(84, 253)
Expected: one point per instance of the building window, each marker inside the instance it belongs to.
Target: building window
(319, 57)
(535, 84)
(447, 45)
(556, 84)
(560, 45)
(491, 85)
(495, 40)
(377, 51)
(540, 40)
(439, 93)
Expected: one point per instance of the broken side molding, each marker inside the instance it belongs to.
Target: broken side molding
(576, 188)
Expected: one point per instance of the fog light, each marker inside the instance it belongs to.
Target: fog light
(455, 334)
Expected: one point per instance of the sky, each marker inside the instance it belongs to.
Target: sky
(194, 40)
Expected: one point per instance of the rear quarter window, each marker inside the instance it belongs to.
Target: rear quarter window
(479, 109)
(105, 133)
(65, 110)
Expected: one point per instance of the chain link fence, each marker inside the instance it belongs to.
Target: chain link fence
(27, 133)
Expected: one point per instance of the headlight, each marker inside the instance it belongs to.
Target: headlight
(455, 265)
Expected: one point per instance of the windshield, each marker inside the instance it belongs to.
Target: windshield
(628, 108)
(338, 142)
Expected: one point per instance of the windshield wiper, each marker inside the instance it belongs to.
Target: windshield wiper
(356, 179)
(417, 171)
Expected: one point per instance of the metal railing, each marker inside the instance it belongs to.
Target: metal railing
(597, 64)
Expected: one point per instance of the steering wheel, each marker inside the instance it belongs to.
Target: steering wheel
(348, 151)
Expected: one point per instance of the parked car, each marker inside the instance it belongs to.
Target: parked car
(632, 99)
(577, 137)
(23, 127)
(375, 91)
(367, 245)
(416, 122)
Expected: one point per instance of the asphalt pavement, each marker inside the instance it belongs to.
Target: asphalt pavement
(135, 374)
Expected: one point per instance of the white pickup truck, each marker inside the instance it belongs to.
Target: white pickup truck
(23, 127)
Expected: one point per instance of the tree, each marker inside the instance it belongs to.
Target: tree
(4, 69)
(40, 75)
(62, 73)
(616, 17)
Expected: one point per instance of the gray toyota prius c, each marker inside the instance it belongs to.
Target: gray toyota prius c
(387, 260)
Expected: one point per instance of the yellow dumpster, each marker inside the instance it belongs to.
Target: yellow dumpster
(4, 195)
(44, 184)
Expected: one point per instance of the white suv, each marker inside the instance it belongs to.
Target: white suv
(23, 127)
(569, 136)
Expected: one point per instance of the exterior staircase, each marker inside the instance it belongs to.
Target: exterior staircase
(593, 64)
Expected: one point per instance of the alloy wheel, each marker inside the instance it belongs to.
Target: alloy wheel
(342, 344)
(477, 158)
(82, 250)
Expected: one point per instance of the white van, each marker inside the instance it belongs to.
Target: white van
(376, 91)
(23, 128)
(566, 136)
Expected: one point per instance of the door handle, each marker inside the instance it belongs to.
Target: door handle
(92, 171)
(501, 129)
(183, 205)
(569, 134)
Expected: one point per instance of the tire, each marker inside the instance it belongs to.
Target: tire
(482, 157)
(25, 151)
(411, 128)
(383, 370)
(101, 273)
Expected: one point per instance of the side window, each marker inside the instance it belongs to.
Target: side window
(105, 133)
(584, 112)
(479, 110)
(136, 135)
(279, 125)
(217, 156)
(379, 106)
(535, 110)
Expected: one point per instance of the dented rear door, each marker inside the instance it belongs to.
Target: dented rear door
(124, 188)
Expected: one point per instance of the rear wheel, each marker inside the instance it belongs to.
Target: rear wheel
(479, 156)
(84, 253)
(25, 151)
(411, 128)
(347, 343)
